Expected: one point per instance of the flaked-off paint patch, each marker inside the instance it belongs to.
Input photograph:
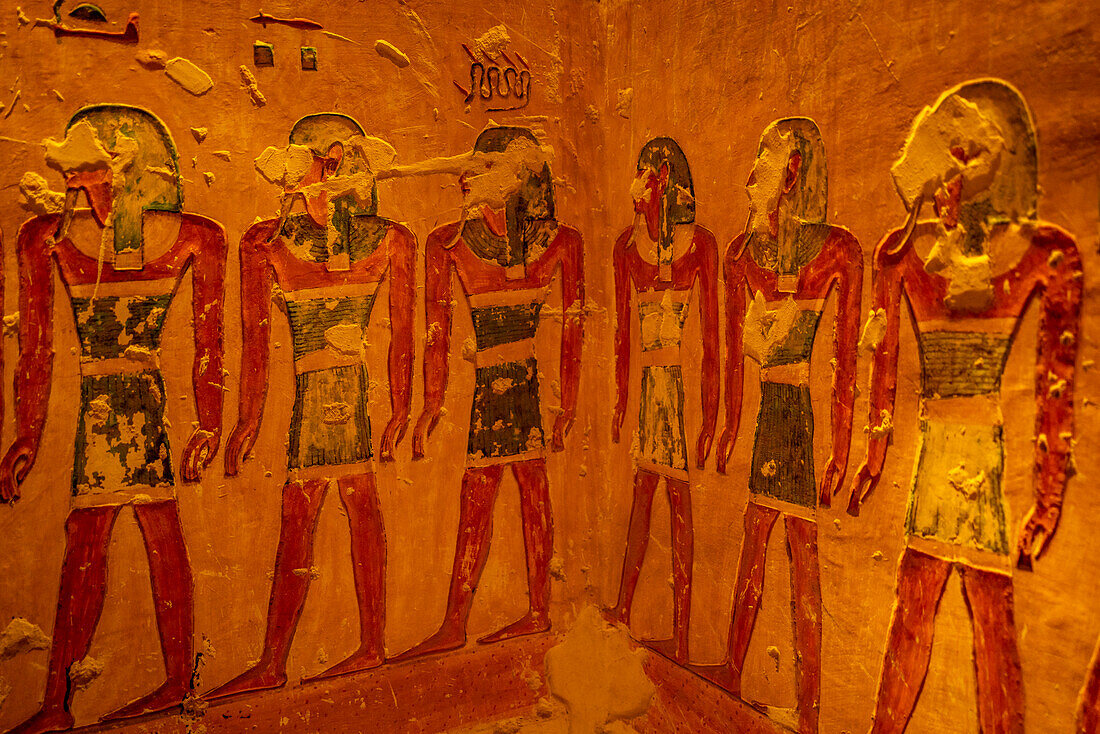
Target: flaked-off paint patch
(387, 50)
(598, 674)
(21, 636)
(37, 195)
(248, 80)
(189, 76)
(490, 43)
(82, 674)
(874, 330)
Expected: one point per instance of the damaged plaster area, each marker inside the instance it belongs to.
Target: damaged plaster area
(597, 672)
(21, 636)
(766, 330)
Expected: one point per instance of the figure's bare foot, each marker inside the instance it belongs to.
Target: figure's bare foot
(256, 678)
(45, 720)
(669, 649)
(721, 675)
(362, 659)
(165, 697)
(530, 624)
(447, 638)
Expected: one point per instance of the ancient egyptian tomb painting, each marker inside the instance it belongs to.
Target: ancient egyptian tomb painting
(699, 366)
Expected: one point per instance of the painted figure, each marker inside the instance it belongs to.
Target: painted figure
(779, 274)
(325, 266)
(662, 255)
(121, 264)
(505, 251)
(968, 275)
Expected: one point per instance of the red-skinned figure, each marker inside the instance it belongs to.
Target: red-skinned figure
(662, 255)
(505, 252)
(118, 155)
(327, 264)
(779, 274)
(968, 276)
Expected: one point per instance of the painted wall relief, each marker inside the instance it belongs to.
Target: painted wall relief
(323, 267)
(121, 262)
(662, 256)
(779, 274)
(505, 251)
(968, 275)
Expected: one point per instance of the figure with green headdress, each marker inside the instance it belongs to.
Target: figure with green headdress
(968, 274)
(659, 259)
(121, 261)
(324, 266)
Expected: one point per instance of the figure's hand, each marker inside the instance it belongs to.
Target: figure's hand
(831, 482)
(725, 449)
(424, 427)
(617, 422)
(865, 477)
(562, 424)
(702, 447)
(238, 449)
(391, 437)
(200, 451)
(14, 467)
(1039, 527)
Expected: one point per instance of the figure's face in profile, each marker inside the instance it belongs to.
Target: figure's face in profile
(645, 191)
(952, 156)
(763, 188)
(490, 179)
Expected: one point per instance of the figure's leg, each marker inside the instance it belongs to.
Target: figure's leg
(759, 521)
(173, 600)
(1088, 704)
(294, 558)
(368, 556)
(538, 546)
(806, 610)
(921, 579)
(79, 604)
(683, 548)
(475, 530)
(996, 657)
(637, 538)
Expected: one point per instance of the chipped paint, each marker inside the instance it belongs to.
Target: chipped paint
(388, 51)
(21, 636)
(874, 330)
(37, 196)
(248, 81)
(189, 76)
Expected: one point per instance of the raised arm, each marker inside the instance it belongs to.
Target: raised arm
(622, 333)
(256, 282)
(402, 254)
(888, 283)
(572, 332)
(35, 367)
(708, 312)
(208, 278)
(849, 284)
(1059, 324)
(733, 271)
(437, 315)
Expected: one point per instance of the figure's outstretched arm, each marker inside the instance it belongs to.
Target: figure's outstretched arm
(622, 333)
(402, 270)
(708, 312)
(849, 285)
(1059, 324)
(208, 278)
(437, 315)
(34, 371)
(733, 270)
(888, 284)
(256, 282)
(572, 332)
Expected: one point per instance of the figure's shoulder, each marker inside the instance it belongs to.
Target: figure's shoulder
(399, 230)
(896, 248)
(736, 250)
(443, 235)
(34, 233)
(622, 242)
(259, 237)
(1050, 237)
(704, 240)
(568, 236)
